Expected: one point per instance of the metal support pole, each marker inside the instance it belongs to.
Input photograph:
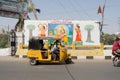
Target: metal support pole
(33, 9)
(102, 22)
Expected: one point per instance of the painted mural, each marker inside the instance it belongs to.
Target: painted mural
(89, 29)
(43, 28)
(63, 31)
(71, 32)
(78, 36)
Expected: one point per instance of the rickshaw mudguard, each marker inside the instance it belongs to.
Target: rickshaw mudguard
(69, 56)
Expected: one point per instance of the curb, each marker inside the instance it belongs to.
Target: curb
(92, 57)
(79, 57)
(21, 56)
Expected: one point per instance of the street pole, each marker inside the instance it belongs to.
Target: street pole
(33, 9)
(102, 20)
(101, 27)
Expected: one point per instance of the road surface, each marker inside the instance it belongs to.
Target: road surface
(12, 68)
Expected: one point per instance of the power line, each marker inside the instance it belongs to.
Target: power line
(77, 11)
(70, 12)
(74, 7)
(61, 4)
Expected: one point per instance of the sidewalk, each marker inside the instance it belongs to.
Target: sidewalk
(107, 54)
(5, 52)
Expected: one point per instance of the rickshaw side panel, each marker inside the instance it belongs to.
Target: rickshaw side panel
(34, 54)
(63, 54)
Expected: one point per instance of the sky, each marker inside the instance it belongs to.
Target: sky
(74, 10)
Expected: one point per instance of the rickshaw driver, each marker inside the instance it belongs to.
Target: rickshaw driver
(41, 47)
(55, 50)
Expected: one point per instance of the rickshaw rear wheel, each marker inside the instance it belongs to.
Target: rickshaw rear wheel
(68, 61)
(33, 61)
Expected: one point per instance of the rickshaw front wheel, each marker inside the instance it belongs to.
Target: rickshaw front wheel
(33, 61)
(68, 61)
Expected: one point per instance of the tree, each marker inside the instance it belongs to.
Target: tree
(108, 39)
(31, 28)
(89, 28)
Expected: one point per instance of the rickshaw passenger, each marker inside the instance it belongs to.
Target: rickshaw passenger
(41, 44)
(44, 53)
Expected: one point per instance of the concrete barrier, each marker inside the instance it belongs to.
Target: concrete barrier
(107, 53)
(5, 51)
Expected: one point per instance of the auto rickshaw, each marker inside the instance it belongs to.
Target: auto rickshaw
(55, 52)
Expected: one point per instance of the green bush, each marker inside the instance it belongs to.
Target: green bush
(108, 39)
(4, 41)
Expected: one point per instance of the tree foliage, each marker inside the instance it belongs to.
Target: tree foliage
(4, 40)
(89, 27)
(108, 39)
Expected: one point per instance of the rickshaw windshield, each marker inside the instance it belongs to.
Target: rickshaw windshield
(34, 44)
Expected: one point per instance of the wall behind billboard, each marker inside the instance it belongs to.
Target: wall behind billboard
(77, 32)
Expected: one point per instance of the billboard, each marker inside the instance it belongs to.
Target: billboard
(12, 8)
(63, 31)
(9, 14)
(16, 0)
(18, 7)
(71, 32)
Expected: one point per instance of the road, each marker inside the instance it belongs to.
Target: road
(12, 68)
